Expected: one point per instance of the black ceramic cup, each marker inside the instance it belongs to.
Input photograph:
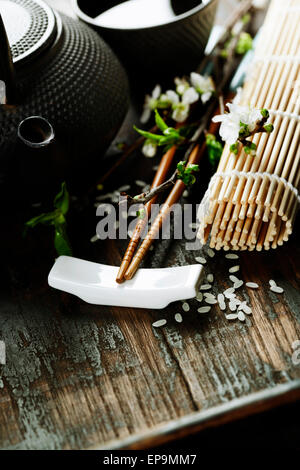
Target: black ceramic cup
(174, 47)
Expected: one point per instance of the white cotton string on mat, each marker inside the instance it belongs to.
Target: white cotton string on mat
(252, 201)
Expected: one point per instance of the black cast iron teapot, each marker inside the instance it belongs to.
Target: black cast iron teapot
(57, 78)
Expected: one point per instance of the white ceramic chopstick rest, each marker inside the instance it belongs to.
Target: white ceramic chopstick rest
(150, 288)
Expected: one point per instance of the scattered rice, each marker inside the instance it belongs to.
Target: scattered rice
(277, 289)
(221, 300)
(140, 183)
(231, 316)
(178, 317)
(234, 269)
(246, 309)
(238, 284)
(229, 291)
(234, 278)
(205, 287)
(94, 238)
(103, 197)
(241, 316)
(272, 282)
(252, 285)
(231, 256)
(232, 306)
(210, 278)
(200, 260)
(185, 193)
(185, 307)
(159, 323)
(210, 253)
(199, 296)
(123, 188)
(203, 309)
(208, 295)
(210, 301)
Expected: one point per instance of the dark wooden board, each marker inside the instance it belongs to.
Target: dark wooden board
(80, 376)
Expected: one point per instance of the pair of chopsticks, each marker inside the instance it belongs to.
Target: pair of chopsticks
(131, 262)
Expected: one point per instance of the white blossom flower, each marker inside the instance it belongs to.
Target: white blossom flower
(181, 85)
(204, 85)
(231, 122)
(149, 148)
(181, 107)
(150, 103)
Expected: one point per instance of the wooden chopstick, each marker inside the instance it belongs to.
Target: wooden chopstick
(173, 197)
(159, 178)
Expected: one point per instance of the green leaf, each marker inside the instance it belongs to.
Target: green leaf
(193, 167)
(61, 242)
(160, 122)
(184, 172)
(214, 149)
(148, 135)
(61, 200)
(56, 218)
(45, 219)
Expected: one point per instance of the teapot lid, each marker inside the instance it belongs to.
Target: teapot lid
(30, 26)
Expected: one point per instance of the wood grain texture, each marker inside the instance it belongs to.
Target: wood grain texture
(80, 376)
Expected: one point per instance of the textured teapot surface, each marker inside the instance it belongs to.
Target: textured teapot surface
(79, 86)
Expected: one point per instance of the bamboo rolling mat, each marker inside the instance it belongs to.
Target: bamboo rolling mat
(252, 202)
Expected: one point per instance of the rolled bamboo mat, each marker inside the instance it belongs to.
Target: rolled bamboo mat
(251, 202)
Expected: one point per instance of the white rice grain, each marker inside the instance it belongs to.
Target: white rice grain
(94, 238)
(203, 309)
(140, 183)
(159, 323)
(232, 306)
(252, 285)
(205, 287)
(210, 253)
(234, 269)
(200, 260)
(241, 316)
(231, 256)
(123, 188)
(199, 296)
(185, 307)
(178, 317)
(231, 316)
(208, 295)
(277, 289)
(210, 301)
(210, 278)
(234, 278)
(238, 284)
(272, 282)
(229, 291)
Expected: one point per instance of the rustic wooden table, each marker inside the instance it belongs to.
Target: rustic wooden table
(79, 376)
